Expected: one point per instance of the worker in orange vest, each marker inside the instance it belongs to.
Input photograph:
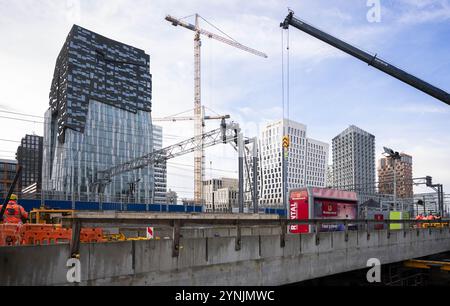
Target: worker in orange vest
(14, 213)
(420, 218)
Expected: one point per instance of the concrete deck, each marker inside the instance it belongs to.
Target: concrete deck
(207, 261)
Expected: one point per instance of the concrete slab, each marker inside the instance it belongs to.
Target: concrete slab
(109, 259)
(270, 246)
(214, 261)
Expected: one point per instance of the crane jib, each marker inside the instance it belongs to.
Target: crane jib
(371, 60)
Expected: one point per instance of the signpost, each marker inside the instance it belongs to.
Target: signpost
(150, 233)
(286, 144)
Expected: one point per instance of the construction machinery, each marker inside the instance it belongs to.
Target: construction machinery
(228, 132)
(427, 264)
(198, 122)
(371, 60)
(44, 215)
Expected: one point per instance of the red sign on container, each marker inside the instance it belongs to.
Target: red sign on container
(329, 209)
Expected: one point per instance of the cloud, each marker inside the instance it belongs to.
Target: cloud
(427, 163)
(6, 107)
(419, 109)
(424, 11)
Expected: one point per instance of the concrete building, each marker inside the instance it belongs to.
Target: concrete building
(225, 199)
(99, 116)
(220, 195)
(306, 165)
(403, 176)
(354, 161)
(29, 156)
(160, 169)
(8, 169)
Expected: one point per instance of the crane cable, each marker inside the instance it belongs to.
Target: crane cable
(288, 47)
(282, 72)
(285, 74)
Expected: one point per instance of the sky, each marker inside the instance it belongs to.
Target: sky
(328, 90)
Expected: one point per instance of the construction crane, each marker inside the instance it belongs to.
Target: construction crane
(198, 122)
(225, 134)
(174, 119)
(371, 60)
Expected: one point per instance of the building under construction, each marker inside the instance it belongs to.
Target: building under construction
(403, 176)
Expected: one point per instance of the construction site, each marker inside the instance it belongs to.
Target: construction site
(97, 216)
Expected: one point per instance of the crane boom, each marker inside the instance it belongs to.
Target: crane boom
(190, 118)
(225, 134)
(224, 40)
(367, 58)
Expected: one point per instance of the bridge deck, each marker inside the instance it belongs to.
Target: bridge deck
(256, 260)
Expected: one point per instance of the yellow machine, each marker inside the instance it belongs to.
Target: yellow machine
(122, 237)
(435, 224)
(53, 216)
(48, 216)
(427, 264)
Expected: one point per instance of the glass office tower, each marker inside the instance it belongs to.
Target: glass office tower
(29, 156)
(99, 116)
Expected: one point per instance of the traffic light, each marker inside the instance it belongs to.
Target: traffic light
(429, 181)
(286, 142)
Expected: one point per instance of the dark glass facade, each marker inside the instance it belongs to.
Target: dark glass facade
(99, 116)
(29, 156)
(8, 169)
(93, 67)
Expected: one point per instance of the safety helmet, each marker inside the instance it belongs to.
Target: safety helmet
(13, 197)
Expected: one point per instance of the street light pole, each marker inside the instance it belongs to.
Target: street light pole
(394, 156)
(395, 186)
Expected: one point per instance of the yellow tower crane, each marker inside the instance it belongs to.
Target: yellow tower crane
(198, 121)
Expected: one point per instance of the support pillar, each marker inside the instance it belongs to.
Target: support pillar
(255, 176)
(241, 172)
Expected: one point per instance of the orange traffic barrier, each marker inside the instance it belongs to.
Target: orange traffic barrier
(42, 234)
(38, 234)
(89, 235)
(10, 234)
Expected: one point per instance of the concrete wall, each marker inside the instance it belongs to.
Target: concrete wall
(214, 261)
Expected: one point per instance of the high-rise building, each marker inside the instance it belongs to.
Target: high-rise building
(29, 156)
(220, 195)
(159, 168)
(403, 176)
(8, 169)
(99, 116)
(306, 164)
(354, 161)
